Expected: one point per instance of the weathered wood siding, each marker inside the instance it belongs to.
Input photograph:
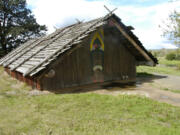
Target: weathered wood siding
(119, 63)
(28, 80)
(73, 70)
(76, 69)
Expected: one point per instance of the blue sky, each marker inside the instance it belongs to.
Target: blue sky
(144, 15)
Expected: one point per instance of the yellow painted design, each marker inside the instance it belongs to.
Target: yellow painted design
(97, 35)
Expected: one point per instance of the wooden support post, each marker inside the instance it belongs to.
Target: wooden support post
(38, 85)
(13, 74)
(16, 75)
(7, 70)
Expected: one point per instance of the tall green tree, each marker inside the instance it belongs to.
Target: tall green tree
(17, 25)
(172, 28)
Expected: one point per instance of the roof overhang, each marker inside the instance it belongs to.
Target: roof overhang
(150, 61)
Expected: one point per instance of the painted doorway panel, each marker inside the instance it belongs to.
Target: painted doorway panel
(97, 56)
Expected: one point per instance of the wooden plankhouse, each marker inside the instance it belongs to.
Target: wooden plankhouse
(98, 52)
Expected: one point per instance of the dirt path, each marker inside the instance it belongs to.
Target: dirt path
(154, 87)
(168, 81)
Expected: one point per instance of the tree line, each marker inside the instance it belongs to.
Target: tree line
(17, 25)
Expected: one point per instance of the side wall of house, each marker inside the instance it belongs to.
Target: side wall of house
(76, 69)
(73, 70)
(119, 63)
(28, 80)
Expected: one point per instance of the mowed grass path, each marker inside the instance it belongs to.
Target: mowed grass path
(82, 114)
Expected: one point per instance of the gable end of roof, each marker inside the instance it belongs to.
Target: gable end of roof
(134, 40)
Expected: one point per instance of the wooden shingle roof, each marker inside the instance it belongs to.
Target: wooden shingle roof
(36, 54)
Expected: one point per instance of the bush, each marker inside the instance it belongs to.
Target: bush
(171, 56)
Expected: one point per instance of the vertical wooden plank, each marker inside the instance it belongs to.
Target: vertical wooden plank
(84, 66)
(38, 85)
(119, 63)
(108, 56)
(60, 76)
(65, 69)
(75, 69)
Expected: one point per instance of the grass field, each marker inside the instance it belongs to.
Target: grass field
(165, 67)
(158, 69)
(168, 62)
(86, 114)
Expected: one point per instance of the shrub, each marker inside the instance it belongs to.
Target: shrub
(171, 56)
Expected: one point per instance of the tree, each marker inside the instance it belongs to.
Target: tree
(171, 28)
(17, 25)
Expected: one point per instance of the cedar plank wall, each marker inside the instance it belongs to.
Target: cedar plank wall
(119, 62)
(76, 68)
(73, 70)
(28, 80)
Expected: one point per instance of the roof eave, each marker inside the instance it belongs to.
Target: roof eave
(146, 55)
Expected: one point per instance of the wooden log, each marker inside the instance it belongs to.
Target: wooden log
(76, 42)
(21, 69)
(132, 41)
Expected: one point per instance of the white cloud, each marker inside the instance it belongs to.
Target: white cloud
(145, 19)
(65, 12)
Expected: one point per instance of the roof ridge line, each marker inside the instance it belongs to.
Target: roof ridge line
(29, 71)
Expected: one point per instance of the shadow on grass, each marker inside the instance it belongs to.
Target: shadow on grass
(144, 77)
(141, 77)
(144, 74)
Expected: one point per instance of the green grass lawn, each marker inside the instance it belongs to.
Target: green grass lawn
(85, 113)
(165, 67)
(75, 114)
(166, 62)
(158, 69)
